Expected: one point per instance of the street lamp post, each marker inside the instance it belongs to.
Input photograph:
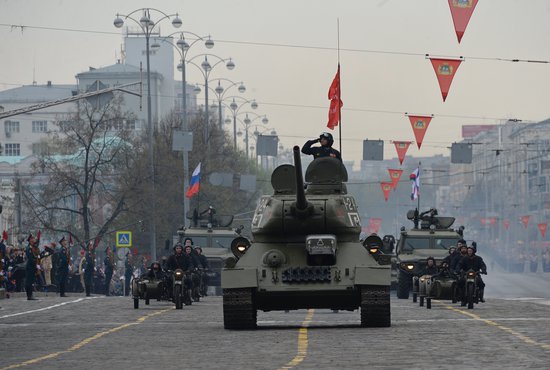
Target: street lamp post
(235, 108)
(220, 92)
(147, 26)
(206, 68)
(182, 46)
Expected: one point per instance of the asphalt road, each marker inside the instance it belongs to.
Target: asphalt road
(508, 332)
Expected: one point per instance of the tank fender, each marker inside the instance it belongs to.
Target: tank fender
(239, 278)
(376, 275)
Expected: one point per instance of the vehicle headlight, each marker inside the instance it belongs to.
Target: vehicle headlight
(373, 250)
(239, 246)
(410, 266)
(145, 281)
(471, 274)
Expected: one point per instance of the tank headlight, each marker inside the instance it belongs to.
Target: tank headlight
(373, 250)
(239, 246)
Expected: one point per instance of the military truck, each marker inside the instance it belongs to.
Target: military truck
(431, 236)
(214, 235)
(305, 252)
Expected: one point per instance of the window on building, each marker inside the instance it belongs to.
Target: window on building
(11, 126)
(39, 148)
(12, 150)
(39, 126)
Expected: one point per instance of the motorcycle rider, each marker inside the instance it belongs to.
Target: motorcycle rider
(155, 271)
(431, 268)
(325, 150)
(474, 262)
(447, 260)
(462, 252)
(180, 260)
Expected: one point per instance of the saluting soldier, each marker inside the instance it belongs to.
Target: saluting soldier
(32, 253)
(63, 259)
(109, 267)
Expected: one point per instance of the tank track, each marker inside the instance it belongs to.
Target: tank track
(375, 306)
(239, 311)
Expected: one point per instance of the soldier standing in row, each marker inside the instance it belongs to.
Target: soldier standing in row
(32, 252)
(109, 268)
(128, 272)
(89, 268)
(63, 259)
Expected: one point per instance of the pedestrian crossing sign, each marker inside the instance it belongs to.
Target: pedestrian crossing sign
(123, 239)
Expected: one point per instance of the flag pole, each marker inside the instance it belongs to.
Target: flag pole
(418, 204)
(339, 89)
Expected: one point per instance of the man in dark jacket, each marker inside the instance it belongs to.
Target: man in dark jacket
(33, 254)
(325, 150)
(63, 259)
(180, 260)
(128, 272)
(474, 262)
(89, 267)
(109, 262)
(431, 268)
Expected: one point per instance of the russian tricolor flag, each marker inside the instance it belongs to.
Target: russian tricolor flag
(194, 183)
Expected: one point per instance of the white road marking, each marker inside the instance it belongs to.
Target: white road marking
(46, 308)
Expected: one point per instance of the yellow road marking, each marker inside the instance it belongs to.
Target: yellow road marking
(85, 341)
(524, 338)
(302, 342)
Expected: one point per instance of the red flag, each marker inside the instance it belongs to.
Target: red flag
(395, 176)
(461, 11)
(445, 70)
(420, 125)
(492, 221)
(483, 221)
(401, 147)
(5, 236)
(506, 224)
(542, 228)
(38, 236)
(374, 224)
(525, 220)
(335, 101)
(386, 188)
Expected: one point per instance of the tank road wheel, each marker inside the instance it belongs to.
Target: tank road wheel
(403, 285)
(428, 303)
(177, 297)
(239, 309)
(375, 306)
(136, 303)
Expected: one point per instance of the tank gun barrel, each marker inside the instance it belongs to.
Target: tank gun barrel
(301, 202)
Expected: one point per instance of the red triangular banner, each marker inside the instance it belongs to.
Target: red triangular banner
(386, 188)
(401, 147)
(525, 220)
(395, 175)
(419, 125)
(506, 224)
(445, 70)
(492, 221)
(461, 11)
(483, 221)
(542, 228)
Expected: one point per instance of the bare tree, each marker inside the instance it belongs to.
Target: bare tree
(82, 184)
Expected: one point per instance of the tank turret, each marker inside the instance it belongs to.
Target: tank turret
(294, 211)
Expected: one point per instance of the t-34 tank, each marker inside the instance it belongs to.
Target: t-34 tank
(305, 252)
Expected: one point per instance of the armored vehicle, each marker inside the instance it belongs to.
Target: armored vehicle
(305, 252)
(431, 236)
(214, 236)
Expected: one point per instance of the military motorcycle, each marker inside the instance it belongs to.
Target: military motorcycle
(146, 288)
(471, 289)
(178, 285)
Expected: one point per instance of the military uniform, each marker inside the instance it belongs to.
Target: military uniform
(31, 252)
(63, 258)
(89, 265)
(320, 151)
(109, 267)
(128, 272)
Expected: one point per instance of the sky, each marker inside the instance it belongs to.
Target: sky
(285, 52)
